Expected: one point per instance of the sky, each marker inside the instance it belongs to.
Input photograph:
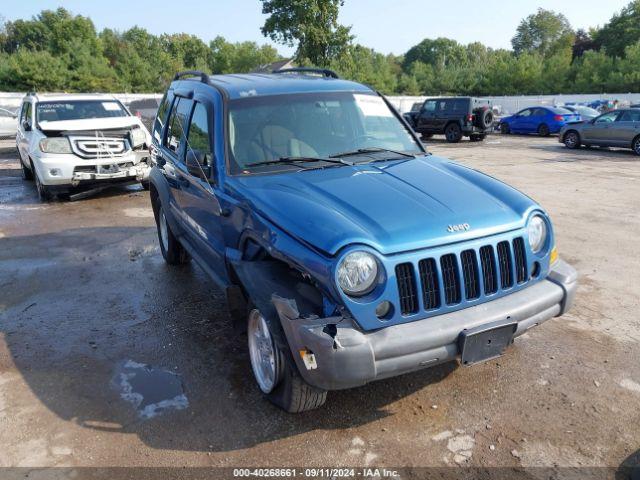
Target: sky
(388, 26)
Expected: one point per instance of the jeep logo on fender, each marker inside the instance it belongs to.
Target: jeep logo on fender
(461, 227)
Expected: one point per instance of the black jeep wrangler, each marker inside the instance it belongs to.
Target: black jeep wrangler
(455, 117)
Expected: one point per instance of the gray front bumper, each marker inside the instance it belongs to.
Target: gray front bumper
(348, 357)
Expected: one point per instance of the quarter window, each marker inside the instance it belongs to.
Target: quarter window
(161, 116)
(176, 125)
(26, 113)
(199, 140)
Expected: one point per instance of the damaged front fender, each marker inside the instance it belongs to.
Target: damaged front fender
(343, 355)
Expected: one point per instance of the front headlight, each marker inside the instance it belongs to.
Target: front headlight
(537, 230)
(357, 273)
(137, 137)
(55, 145)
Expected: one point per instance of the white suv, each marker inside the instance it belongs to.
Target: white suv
(68, 141)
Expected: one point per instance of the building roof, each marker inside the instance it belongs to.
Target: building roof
(270, 67)
(254, 84)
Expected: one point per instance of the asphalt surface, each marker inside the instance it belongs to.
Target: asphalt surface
(108, 357)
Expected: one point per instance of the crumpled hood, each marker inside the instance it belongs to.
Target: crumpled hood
(90, 124)
(392, 207)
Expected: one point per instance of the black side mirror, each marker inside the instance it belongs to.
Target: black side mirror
(198, 164)
(26, 126)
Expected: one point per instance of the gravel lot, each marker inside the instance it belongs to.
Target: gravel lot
(86, 299)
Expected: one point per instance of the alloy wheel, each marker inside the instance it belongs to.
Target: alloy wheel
(164, 233)
(571, 140)
(262, 352)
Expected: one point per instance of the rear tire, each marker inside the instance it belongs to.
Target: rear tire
(572, 140)
(172, 251)
(504, 129)
(636, 145)
(274, 369)
(426, 136)
(453, 132)
(543, 130)
(477, 138)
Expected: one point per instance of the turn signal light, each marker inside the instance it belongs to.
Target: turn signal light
(553, 258)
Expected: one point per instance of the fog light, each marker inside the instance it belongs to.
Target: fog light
(383, 309)
(55, 172)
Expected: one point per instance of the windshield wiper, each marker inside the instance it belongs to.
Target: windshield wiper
(365, 151)
(296, 160)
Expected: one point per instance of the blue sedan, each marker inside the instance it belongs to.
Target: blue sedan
(540, 120)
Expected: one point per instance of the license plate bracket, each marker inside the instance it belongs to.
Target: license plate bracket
(486, 342)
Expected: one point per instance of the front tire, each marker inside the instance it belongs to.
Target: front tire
(572, 140)
(543, 130)
(504, 128)
(453, 132)
(274, 369)
(27, 173)
(44, 195)
(172, 251)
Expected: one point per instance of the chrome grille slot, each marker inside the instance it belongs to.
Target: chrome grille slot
(99, 147)
(488, 260)
(430, 286)
(520, 260)
(470, 274)
(407, 288)
(504, 260)
(450, 278)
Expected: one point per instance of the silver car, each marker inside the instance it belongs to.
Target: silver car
(618, 128)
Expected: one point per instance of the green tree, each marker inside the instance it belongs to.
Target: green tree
(311, 24)
(241, 57)
(622, 30)
(439, 52)
(544, 32)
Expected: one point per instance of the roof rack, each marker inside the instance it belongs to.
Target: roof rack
(325, 72)
(204, 78)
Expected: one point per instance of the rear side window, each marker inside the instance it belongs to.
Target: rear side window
(460, 106)
(630, 116)
(176, 125)
(539, 112)
(161, 116)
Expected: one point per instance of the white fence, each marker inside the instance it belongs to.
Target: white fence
(11, 100)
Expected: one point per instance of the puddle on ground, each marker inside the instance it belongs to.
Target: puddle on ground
(151, 390)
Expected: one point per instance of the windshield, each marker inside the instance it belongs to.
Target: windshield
(318, 125)
(587, 111)
(78, 110)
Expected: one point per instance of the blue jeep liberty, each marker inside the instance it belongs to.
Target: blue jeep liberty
(347, 252)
